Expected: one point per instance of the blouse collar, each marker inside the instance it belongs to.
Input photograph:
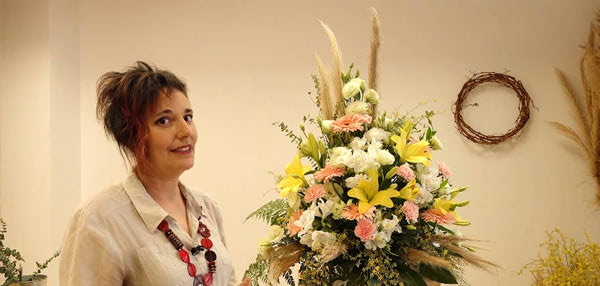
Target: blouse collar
(148, 209)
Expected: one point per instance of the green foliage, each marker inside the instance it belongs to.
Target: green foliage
(9, 258)
(289, 133)
(271, 211)
(438, 274)
(257, 272)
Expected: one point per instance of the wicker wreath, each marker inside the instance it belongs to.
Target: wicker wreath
(503, 80)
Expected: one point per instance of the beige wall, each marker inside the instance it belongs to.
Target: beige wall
(248, 64)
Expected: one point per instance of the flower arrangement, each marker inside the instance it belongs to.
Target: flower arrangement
(362, 202)
(567, 262)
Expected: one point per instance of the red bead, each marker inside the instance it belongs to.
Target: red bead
(210, 255)
(207, 243)
(163, 226)
(192, 269)
(184, 255)
(208, 279)
(203, 230)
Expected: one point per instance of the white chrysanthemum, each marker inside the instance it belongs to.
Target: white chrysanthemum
(358, 144)
(353, 181)
(424, 196)
(361, 162)
(340, 156)
(377, 134)
(357, 107)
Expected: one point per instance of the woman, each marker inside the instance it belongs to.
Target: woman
(151, 229)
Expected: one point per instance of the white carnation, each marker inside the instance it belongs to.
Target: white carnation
(340, 156)
(353, 181)
(361, 162)
(384, 157)
(358, 144)
(377, 134)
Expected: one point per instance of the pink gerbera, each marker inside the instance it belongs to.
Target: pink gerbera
(329, 172)
(293, 229)
(365, 230)
(410, 211)
(438, 217)
(350, 123)
(314, 192)
(351, 212)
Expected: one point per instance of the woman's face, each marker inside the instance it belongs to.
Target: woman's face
(172, 135)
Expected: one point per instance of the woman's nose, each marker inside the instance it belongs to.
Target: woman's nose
(183, 128)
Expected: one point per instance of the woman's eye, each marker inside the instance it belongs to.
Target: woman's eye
(162, 121)
(188, 117)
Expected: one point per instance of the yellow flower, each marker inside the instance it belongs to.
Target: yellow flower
(410, 191)
(415, 152)
(295, 177)
(368, 194)
(448, 206)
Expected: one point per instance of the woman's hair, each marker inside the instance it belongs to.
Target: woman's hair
(123, 100)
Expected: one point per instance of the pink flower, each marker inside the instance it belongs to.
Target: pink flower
(293, 229)
(350, 123)
(437, 216)
(351, 213)
(444, 170)
(365, 230)
(410, 211)
(329, 172)
(314, 192)
(406, 172)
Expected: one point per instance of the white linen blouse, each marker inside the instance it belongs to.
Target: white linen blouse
(113, 240)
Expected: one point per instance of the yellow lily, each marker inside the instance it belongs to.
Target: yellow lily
(448, 206)
(410, 191)
(295, 177)
(368, 194)
(415, 152)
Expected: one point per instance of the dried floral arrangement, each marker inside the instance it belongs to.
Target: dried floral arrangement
(586, 111)
(567, 262)
(503, 80)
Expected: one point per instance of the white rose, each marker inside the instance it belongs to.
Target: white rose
(340, 156)
(357, 107)
(353, 87)
(377, 134)
(372, 96)
(358, 144)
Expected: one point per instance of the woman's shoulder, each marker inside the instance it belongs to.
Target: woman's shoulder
(103, 204)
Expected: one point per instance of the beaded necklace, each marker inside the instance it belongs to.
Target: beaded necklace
(206, 244)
